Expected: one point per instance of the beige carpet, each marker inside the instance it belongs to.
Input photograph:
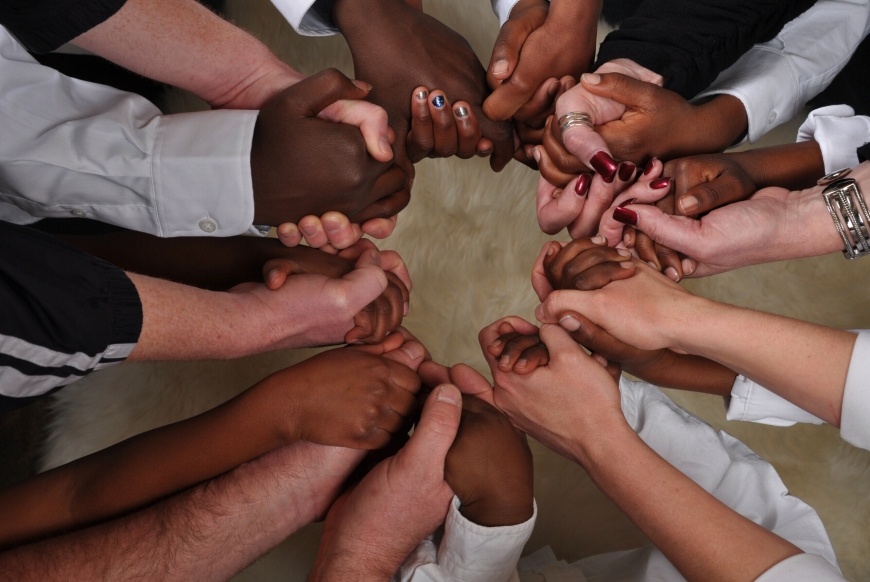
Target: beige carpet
(470, 237)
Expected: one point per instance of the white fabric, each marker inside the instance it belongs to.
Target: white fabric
(502, 9)
(77, 149)
(802, 567)
(468, 552)
(303, 19)
(839, 133)
(752, 402)
(774, 80)
(721, 465)
(855, 417)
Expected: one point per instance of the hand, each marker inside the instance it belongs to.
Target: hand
(397, 48)
(301, 164)
(584, 264)
(440, 131)
(333, 231)
(539, 41)
(372, 528)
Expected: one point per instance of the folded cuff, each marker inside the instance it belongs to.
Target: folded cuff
(802, 567)
(839, 133)
(752, 402)
(855, 419)
(308, 17)
(201, 169)
(502, 9)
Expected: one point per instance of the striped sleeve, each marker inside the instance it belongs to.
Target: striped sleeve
(63, 314)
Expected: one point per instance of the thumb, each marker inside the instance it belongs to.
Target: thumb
(470, 381)
(362, 285)
(559, 303)
(620, 88)
(680, 233)
(559, 343)
(436, 430)
(711, 195)
(319, 91)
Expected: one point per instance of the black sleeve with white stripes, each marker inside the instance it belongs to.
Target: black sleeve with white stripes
(63, 314)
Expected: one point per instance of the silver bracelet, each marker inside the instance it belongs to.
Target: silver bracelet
(849, 211)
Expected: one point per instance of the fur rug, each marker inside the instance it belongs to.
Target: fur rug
(470, 237)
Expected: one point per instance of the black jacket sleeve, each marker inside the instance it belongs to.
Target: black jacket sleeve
(689, 42)
(63, 314)
(44, 25)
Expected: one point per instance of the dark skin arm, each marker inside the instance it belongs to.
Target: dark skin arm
(352, 397)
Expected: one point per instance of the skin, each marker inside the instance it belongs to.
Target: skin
(573, 406)
(352, 397)
(804, 363)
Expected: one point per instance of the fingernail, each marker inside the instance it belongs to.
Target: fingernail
(421, 95)
(384, 144)
(536, 154)
(625, 216)
(551, 248)
(672, 274)
(581, 187)
(273, 274)
(406, 309)
(438, 101)
(598, 240)
(627, 265)
(499, 67)
(623, 252)
(287, 231)
(604, 165)
(496, 343)
(626, 169)
(589, 78)
(688, 266)
(450, 394)
(626, 239)
(689, 204)
(539, 312)
(630, 201)
(412, 349)
(484, 152)
(331, 224)
(570, 323)
(660, 183)
(522, 363)
(363, 85)
(505, 360)
(649, 166)
(554, 86)
(308, 230)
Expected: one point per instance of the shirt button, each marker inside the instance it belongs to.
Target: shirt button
(207, 225)
(772, 118)
(79, 213)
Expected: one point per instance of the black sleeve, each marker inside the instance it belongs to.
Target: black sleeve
(689, 42)
(63, 314)
(43, 25)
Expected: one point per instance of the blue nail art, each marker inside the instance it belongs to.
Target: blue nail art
(438, 101)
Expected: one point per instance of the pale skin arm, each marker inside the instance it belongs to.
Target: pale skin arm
(209, 533)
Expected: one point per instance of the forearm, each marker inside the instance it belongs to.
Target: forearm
(142, 469)
(804, 363)
(720, 123)
(685, 372)
(208, 533)
(700, 535)
(182, 43)
(794, 166)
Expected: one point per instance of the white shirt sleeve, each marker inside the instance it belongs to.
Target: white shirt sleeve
(800, 568)
(752, 402)
(774, 80)
(305, 17)
(502, 9)
(839, 133)
(468, 552)
(76, 149)
(855, 417)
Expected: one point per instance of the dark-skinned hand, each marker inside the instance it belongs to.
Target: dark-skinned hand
(398, 48)
(303, 165)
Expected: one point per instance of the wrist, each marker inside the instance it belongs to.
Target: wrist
(603, 446)
(681, 330)
(722, 122)
(256, 86)
(570, 13)
(809, 228)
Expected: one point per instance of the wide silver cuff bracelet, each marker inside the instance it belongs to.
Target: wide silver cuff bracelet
(849, 212)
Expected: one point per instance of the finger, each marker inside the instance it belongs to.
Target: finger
(484, 146)
(467, 130)
(391, 193)
(540, 105)
(612, 219)
(670, 261)
(420, 140)
(443, 125)
(682, 234)
(402, 296)
(549, 170)
(433, 373)
(598, 200)
(554, 264)
(629, 237)
(289, 235)
(372, 122)
(529, 135)
(502, 104)
(557, 207)
(558, 303)
(558, 342)
(276, 271)
(561, 157)
(362, 285)
(513, 347)
(339, 230)
(624, 175)
(621, 88)
(439, 421)
(380, 227)
(593, 338)
(531, 359)
(711, 195)
(501, 134)
(355, 251)
(313, 231)
(470, 381)
(403, 363)
(325, 88)
(599, 275)
(646, 251)
(540, 282)
(392, 262)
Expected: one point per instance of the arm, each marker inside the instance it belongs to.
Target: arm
(350, 398)
(208, 533)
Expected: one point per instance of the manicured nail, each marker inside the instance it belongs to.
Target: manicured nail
(521, 363)
(630, 201)
(581, 188)
(689, 204)
(649, 166)
(363, 85)
(570, 323)
(589, 78)
(598, 240)
(623, 252)
(437, 101)
(626, 169)
(499, 67)
(604, 165)
(672, 274)
(625, 216)
(660, 183)
(450, 394)
(461, 111)
(627, 264)
(421, 95)
(331, 225)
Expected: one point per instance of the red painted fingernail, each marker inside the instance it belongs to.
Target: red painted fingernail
(582, 185)
(625, 216)
(627, 202)
(626, 169)
(604, 165)
(660, 183)
(649, 166)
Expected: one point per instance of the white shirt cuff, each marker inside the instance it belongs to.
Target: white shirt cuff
(502, 9)
(303, 19)
(474, 553)
(201, 169)
(750, 79)
(754, 403)
(855, 419)
(839, 133)
(802, 567)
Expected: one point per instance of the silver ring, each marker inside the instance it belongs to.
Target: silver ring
(833, 176)
(574, 119)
